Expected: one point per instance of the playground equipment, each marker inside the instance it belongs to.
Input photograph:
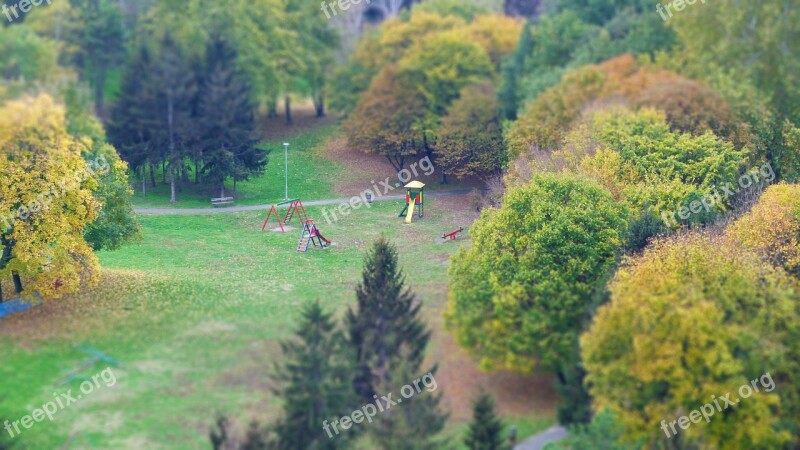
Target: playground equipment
(310, 234)
(453, 234)
(295, 207)
(414, 198)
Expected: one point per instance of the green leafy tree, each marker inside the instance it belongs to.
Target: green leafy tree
(101, 44)
(315, 384)
(520, 295)
(603, 432)
(389, 340)
(486, 429)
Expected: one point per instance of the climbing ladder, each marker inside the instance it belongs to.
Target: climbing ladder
(311, 235)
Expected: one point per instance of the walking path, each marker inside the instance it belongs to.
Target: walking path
(553, 434)
(333, 201)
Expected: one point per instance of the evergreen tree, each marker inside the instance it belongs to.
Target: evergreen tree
(101, 45)
(511, 71)
(127, 129)
(226, 120)
(315, 385)
(486, 430)
(172, 87)
(389, 340)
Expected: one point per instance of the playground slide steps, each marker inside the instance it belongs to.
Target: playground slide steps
(302, 246)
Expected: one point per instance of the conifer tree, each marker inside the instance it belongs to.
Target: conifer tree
(315, 385)
(389, 340)
(486, 430)
(226, 120)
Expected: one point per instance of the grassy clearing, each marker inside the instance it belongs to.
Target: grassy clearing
(193, 314)
(309, 173)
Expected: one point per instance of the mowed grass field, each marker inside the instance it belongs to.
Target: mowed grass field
(194, 314)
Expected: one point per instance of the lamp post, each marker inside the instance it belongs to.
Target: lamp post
(286, 168)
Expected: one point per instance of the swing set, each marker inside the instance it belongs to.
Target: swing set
(295, 208)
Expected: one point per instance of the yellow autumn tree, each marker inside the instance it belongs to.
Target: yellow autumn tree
(772, 227)
(46, 200)
(691, 318)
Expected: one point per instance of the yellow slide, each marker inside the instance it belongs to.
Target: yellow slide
(410, 212)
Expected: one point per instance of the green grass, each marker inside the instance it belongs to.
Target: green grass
(193, 314)
(309, 173)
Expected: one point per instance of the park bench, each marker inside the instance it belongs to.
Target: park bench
(221, 201)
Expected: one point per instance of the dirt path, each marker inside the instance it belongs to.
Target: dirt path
(333, 201)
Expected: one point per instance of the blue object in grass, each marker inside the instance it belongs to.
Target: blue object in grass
(19, 304)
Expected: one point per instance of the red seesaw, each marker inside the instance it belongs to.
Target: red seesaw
(453, 234)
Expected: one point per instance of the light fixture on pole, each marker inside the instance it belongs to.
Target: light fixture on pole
(286, 168)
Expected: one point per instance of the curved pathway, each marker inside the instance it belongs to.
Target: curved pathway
(333, 201)
(537, 442)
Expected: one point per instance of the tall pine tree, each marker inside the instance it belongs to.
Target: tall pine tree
(486, 430)
(315, 385)
(512, 70)
(389, 340)
(172, 86)
(226, 119)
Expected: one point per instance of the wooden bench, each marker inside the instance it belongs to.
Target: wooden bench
(221, 201)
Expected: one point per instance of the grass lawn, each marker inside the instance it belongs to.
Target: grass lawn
(194, 314)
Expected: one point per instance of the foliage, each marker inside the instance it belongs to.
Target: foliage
(772, 227)
(602, 432)
(25, 60)
(389, 340)
(790, 160)
(315, 383)
(470, 139)
(486, 429)
(520, 296)
(687, 320)
(46, 201)
(641, 161)
(226, 120)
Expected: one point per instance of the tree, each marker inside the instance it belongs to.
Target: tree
(604, 431)
(172, 86)
(101, 43)
(486, 429)
(754, 43)
(384, 122)
(511, 71)
(520, 296)
(772, 227)
(226, 120)
(389, 339)
(687, 321)
(315, 384)
(470, 139)
(47, 201)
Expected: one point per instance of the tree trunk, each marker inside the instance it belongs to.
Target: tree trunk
(144, 180)
(196, 172)
(17, 282)
(444, 177)
(164, 172)
(99, 92)
(222, 190)
(272, 108)
(172, 197)
(287, 106)
(152, 175)
(319, 105)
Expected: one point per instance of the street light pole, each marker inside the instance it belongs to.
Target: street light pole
(286, 168)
